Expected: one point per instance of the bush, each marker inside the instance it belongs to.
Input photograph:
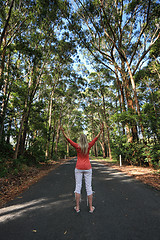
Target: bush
(35, 153)
(6, 154)
(6, 150)
(3, 168)
(138, 153)
(152, 155)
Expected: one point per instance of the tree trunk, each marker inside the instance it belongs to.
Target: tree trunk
(134, 136)
(96, 149)
(121, 100)
(32, 88)
(67, 149)
(19, 136)
(58, 133)
(9, 130)
(2, 64)
(106, 124)
(6, 95)
(7, 23)
(49, 123)
(135, 97)
(53, 138)
(103, 145)
(24, 133)
(103, 148)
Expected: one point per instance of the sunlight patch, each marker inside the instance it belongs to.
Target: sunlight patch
(15, 211)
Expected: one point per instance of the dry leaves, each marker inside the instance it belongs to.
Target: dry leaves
(11, 186)
(147, 175)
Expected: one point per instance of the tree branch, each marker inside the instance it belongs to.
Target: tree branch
(142, 31)
(144, 54)
(7, 22)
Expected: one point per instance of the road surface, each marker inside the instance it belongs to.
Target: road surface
(126, 209)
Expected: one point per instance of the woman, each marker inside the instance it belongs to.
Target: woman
(83, 166)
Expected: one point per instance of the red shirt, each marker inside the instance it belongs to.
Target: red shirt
(83, 162)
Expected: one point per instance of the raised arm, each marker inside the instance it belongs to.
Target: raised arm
(102, 126)
(96, 138)
(75, 145)
(63, 132)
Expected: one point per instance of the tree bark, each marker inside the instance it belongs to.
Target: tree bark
(7, 23)
(106, 124)
(3, 56)
(135, 97)
(103, 148)
(19, 135)
(49, 123)
(58, 133)
(9, 130)
(131, 135)
(6, 95)
(67, 149)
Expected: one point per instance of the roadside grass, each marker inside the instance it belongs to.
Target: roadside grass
(114, 161)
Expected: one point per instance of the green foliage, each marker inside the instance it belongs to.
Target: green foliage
(61, 152)
(137, 153)
(36, 152)
(151, 153)
(31, 157)
(6, 154)
(3, 167)
(6, 150)
(125, 117)
(40, 89)
(150, 121)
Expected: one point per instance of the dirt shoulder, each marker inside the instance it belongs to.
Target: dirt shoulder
(12, 185)
(146, 175)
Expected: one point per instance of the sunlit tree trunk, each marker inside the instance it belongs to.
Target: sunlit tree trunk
(6, 95)
(135, 97)
(103, 145)
(121, 100)
(53, 136)
(131, 134)
(57, 135)
(93, 135)
(9, 130)
(67, 149)
(2, 64)
(6, 23)
(103, 148)
(19, 134)
(49, 123)
(24, 132)
(106, 124)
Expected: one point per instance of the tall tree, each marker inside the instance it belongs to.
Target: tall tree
(118, 35)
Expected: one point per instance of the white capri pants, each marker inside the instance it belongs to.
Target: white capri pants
(88, 180)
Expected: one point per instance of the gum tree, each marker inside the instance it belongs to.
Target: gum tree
(118, 35)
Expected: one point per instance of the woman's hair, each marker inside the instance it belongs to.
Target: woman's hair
(83, 144)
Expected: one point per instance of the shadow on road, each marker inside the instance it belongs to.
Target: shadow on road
(125, 209)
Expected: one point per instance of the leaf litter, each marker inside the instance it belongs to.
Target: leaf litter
(147, 175)
(12, 185)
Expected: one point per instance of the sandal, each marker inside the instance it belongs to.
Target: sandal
(92, 210)
(77, 211)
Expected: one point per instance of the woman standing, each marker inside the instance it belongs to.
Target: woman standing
(83, 166)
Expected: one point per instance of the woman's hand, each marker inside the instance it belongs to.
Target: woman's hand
(102, 126)
(63, 132)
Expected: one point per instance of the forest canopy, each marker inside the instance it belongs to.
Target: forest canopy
(77, 64)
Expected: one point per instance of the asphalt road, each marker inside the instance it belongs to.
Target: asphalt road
(126, 209)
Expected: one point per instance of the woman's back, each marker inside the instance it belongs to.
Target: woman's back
(83, 162)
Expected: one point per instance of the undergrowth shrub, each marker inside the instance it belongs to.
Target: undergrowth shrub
(138, 153)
